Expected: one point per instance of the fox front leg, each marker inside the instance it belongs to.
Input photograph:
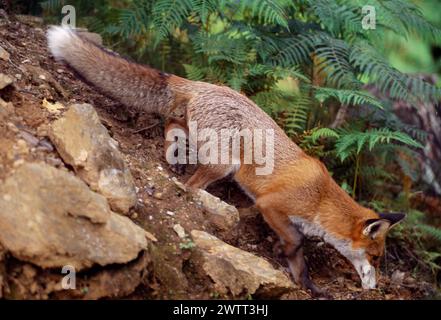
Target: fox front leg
(292, 242)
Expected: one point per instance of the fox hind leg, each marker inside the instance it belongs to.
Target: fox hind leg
(174, 129)
(207, 174)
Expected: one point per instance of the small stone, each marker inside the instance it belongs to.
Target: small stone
(30, 139)
(22, 147)
(18, 163)
(5, 81)
(179, 184)
(52, 107)
(12, 127)
(45, 145)
(18, 76)
(150, 236)
(158, 195)
(4, 55)
(6, 109)
(179, 231)
(170, 213)
(134, 215)
(397, 278)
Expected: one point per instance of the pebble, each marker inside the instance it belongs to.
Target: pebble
(30, 138)
(4, 55)
(158, 195)
(22, 147)
(170, 213)
(179, 231)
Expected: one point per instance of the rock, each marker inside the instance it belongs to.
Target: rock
(239, 272)
(52, 107)
(111, 282)
(4, 55)
(5, 81)
(179, 231)
(397, 278)
(222, 215)
(29, 138)
(29, 282)
(51, 218)
(84, 143)
(6, 109)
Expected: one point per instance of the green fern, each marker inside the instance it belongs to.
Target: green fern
(169, 14)
(349, 97)
(319, 133)
(431, 231)
(353, 142)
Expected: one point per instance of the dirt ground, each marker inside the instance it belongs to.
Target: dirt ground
(140, 140)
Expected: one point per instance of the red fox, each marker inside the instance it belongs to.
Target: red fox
(299, 198)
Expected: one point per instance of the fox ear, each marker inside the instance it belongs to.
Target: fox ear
(375, 227)
(393, 218)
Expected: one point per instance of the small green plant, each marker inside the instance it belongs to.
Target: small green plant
(187, 244)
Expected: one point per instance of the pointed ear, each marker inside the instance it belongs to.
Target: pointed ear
(375, 227)
(393, 218)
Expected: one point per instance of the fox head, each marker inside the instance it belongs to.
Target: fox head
(368, 242)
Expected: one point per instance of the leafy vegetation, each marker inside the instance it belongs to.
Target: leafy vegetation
(302, 62)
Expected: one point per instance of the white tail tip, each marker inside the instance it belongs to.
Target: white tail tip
(59, 39)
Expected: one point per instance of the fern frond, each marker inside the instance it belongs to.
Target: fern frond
(318, 133)
(349, 97)
(353, 142)
(431, 231)
(204, 8)
(168, 15)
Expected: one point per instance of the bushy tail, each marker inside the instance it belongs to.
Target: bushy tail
(132, 84)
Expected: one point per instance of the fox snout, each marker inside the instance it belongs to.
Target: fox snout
(368, 276)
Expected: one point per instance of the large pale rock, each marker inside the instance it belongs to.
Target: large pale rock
(5, 81)
(51, 218)
(84, 143)
(26, 281)
(239, 272)
(222, 215)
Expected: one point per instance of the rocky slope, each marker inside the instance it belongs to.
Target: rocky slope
(83, 183)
